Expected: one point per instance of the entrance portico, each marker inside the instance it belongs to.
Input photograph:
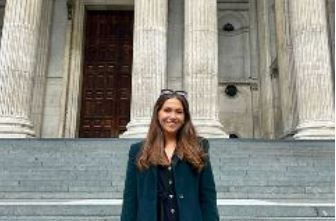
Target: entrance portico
(222, 51)
(200, 64)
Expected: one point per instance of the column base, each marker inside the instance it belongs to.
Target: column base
(11, 127)
(210, 129)
(324, 130)
(136, 129)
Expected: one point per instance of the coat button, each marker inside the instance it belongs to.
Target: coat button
(172, 211)
(181, 196)
(171, 196)
(170, 182)
(169, 168)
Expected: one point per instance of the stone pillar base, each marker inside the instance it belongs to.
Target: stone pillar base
(16, 128)
(315, 130)
(210, 129)
(136, 129)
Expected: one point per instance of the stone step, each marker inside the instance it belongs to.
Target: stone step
(117, 218)
(95, 168)
(243, 209)
(277, 218)
(60, 218)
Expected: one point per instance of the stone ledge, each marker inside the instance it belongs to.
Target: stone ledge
(116, 202)
(241, 208)
(117, 218)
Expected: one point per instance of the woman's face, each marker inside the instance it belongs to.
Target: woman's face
(171, 116)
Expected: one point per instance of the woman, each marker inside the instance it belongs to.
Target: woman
(169, 175)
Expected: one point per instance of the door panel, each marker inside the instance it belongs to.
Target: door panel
(106, 89)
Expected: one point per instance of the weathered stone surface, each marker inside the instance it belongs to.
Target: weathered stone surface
(149, 72)
(95, 168)
(268, 105)
(41, 69)
(201, 65)
(55, 179)
(18, 58)
(315, 106)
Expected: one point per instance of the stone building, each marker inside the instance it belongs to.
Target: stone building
(93, 68)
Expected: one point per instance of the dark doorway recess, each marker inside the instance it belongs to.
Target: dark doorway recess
(106, 84)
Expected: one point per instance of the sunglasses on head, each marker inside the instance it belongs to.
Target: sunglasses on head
(172, 92)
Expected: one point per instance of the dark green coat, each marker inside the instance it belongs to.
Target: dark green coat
(195, 192)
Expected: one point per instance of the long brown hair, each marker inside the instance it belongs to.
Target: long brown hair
(187, 145)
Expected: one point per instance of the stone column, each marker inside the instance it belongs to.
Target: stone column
(41, 67)
(17, 62)
(149, 62)
(201, 65)
(315, 100)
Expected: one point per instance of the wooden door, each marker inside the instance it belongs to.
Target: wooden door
(106, 87)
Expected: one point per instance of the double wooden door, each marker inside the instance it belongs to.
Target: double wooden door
(106, 84)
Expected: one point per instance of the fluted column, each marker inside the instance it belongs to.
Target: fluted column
(17, 63)
(315, 99)
(149, 62)
(201, 65)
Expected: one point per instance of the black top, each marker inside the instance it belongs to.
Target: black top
(167, 205)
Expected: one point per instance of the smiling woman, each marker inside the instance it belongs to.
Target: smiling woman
(169, 173)
(171, 116)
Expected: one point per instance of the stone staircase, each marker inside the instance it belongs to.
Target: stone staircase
(82, 179)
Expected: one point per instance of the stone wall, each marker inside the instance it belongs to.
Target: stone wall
(56, 71)
(236, 54)
(175, 44)
(270, 103)
(286, 68)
